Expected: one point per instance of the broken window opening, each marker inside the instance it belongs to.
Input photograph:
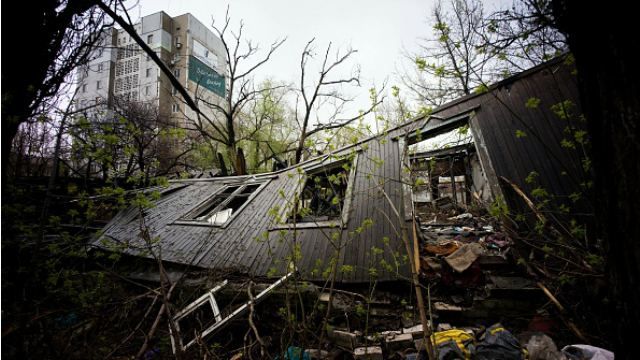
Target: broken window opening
(224, 205)
(445, 169)
(325, 193)
(436, 176)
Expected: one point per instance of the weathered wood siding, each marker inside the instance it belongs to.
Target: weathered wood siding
(251, 244)
(242, 246)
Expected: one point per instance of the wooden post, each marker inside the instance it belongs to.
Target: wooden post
(452, 162)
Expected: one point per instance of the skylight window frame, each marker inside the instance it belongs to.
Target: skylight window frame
(190, 217)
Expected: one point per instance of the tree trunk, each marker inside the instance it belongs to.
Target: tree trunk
(56, 168)
(241, 162)
(300, 148)
(231, 154)
(9, 131)
(605, 48)
(222, 165)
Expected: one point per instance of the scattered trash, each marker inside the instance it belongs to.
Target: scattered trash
(461, 217)
(454, 344)
(368, 353)
(414, 330)
(443, 327)
(498, 343)
(296, 353)
(466, 262)
(586, 352)
(317, 354)
(542, 347)
(462, 258)
(430, 263)
(444, 248)
(500, 240)
(344, 339)
(440, 306)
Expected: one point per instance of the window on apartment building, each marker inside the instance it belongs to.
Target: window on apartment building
(175, 108)
(176, 73)
(174, 91)
(324, 198)
(146, 90)
(100, 67)
(148, 72)
(149, 38)
(98, 84)
(220, 208)
(84, 88)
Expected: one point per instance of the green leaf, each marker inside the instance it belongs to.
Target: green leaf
(567, 144)
(532, 102)
(481, 89)
(531, 178)
(539, 193)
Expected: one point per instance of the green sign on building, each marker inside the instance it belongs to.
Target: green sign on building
(205, 76)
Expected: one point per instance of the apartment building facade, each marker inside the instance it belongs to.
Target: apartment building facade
(120, 74)
(120, 69)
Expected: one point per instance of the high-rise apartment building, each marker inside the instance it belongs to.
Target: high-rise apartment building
(120, 69)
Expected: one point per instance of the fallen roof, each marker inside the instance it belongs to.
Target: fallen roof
(369, 241)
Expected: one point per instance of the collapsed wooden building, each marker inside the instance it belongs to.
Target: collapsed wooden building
(347, 215)
(350, 204)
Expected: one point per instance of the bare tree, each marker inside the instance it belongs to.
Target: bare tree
(521, 40)
(468, 50)
(324, 91)
(452, 62)
(223, 127)
(149, 141)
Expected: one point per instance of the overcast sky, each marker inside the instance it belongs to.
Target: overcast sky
(379, 30)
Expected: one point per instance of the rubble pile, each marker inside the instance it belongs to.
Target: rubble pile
(481, 304)
(465, 260)
(475, 288)
(492, 343)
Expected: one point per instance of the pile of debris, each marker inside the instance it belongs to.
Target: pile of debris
(494, 342)
(465, 260)
(476, 291)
